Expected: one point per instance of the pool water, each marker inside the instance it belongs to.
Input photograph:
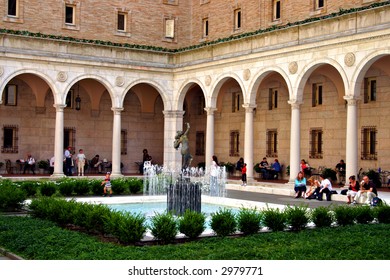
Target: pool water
(151, 208)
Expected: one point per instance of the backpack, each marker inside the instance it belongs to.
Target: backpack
(376, 201)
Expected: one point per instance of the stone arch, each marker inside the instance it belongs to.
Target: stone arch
(308, 70)
(215, 89)
(101, 85)
(42, 76)
(362, 68)
(156, 86)
(186, 85)
(260, 76)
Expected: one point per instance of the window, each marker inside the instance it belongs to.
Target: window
(237, 19)
(272, 99)
(69, 14)
(10, 95)
(235, 102)
(369, 90)
(316, 95)
(205, 24)
(369, 143)
(234, 143)
(316, 143)
(319, 4)
(276, 10)
(272, 143)
(13, 8)
(10, 139)
(121, 24)
(69, 137)
(200, 143)
(123, 142)
(169, 28)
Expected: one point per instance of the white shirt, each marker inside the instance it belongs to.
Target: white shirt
(214, 169)
(326, 183)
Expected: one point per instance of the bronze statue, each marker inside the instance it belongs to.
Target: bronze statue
(181, 138)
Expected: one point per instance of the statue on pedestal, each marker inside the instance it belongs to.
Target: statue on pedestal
(181, 138)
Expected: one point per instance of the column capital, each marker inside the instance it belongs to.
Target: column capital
(59, 107)
(210, 110)
(295, 104)
(117, 110)
(174, 114)
(249, 107)
(351, 100)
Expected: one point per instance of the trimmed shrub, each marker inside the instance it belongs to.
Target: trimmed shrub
(248, 221)
(223, 222)
(164, 227)
(382, 213)
(296, 217)
(135, 185)
(321, 217)
(363, 214)
(274, 219)
(128, 228)
(97, 218)
(344, 215)
(192, 223)
(96, 187)
(11, 196)
(66, 186)
(82, 187)
(29, 187)
(47, 188)
(118, 186)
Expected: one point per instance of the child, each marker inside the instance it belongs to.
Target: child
(107, 184)
(243, 176)
(80, 162)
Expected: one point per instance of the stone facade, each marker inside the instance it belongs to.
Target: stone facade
(146, 96)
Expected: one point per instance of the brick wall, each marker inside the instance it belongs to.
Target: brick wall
(97, 19)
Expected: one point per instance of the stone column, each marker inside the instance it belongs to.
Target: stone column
(116, 143)
(295, 139)
(209, 136)
(248, 144)
(173, 121)
(351, 139)
(59, 142)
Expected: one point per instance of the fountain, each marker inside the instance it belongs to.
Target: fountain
(185, 186)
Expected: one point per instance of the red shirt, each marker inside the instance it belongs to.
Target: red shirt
(243, 169)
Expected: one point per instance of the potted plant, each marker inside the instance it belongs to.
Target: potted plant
(43, 165)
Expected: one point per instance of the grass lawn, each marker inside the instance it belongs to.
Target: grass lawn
(35, 239)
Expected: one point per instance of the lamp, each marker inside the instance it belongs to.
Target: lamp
(78, 99)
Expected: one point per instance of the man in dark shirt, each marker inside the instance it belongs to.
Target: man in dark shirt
(340, 169)
(367, 192)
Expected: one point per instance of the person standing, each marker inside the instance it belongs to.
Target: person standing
(29, 163)
(145, 157)
(340, 169)
(214, 177)
(68, 161)
(243, 174)
(80, 158)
